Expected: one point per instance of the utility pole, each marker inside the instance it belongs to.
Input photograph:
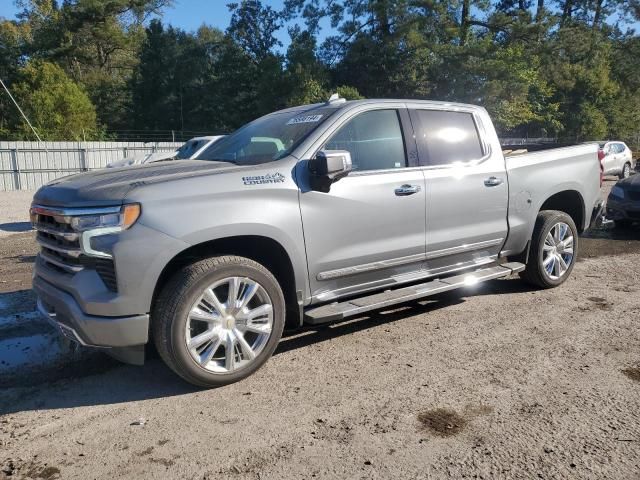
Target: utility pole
(20, 110)
(55, 163)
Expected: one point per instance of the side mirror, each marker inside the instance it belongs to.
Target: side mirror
(327, 167)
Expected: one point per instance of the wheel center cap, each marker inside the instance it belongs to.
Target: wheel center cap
(229, 322)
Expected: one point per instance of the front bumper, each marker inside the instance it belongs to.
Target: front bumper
(619, 209)
(62, 311)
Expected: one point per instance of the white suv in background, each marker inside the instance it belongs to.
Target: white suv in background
(616, 159)
(191, 149)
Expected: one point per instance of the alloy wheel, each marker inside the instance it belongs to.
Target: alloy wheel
(229, 324)
(557, 251)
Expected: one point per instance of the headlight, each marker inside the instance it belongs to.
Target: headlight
(617, 192)
(125, 218)
(97, 225)
(84, 224)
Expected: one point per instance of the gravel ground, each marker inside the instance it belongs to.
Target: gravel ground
(14, 212)
(501, 381)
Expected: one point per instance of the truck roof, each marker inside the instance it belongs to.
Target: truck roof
(341, 103)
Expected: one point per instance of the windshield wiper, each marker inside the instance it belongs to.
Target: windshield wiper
(226, 160)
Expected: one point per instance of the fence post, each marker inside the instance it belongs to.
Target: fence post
(83, 159)
(124, 152)
(17, 182)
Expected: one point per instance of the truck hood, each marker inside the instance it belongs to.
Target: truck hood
(111, 186)
(631, 183)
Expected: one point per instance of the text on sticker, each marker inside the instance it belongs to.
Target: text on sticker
(305, 119)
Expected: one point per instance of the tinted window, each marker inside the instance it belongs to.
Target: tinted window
(268, 138)
(190, 148)
(446, 137)
(374, 140)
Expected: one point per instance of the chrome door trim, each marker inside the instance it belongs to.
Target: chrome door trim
(420, 257)
(396, 280)
(367, 267)
(463, 248)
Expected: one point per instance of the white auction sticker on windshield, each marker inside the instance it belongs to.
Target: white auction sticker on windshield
(304, 119)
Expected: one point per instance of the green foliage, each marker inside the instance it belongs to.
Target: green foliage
(57, 107)
(566, 68)
(350, 93)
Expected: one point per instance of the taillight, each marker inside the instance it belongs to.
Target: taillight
(601, 167)
(601, 155)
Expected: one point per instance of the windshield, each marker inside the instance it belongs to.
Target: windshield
(190, 148)
(268, 138)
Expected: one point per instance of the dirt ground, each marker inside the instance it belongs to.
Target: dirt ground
(498, 381)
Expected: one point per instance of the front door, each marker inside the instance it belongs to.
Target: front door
(611, 162)
(369, 230)
(467, 190)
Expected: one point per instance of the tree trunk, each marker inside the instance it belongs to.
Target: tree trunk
(539, 10)
(566, 11)
(598, 14)
(381, 12)
(464, 21)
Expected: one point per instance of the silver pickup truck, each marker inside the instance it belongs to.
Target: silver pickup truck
(305, 216)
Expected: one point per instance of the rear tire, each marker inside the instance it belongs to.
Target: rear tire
(210, 342)
(554, 249)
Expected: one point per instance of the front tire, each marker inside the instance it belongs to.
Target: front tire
(218, 320)
(554, 249)
(626, 171)
(622, 224)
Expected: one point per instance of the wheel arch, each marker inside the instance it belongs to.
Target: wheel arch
(570, 202)
(265, 250)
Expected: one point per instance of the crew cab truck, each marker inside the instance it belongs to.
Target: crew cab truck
(304, 216)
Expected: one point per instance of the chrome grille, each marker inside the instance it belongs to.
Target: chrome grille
(60, 245)
(61, 250)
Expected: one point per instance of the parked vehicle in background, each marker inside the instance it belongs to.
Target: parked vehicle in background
(623, 204)
(189, 150)
(308, 215)
(616, 158)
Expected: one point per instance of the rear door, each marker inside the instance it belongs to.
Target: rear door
(467, 189)
(368, 231)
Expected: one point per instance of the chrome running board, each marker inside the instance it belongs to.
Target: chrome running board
(337, 311)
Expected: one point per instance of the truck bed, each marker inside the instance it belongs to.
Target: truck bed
(535, 177)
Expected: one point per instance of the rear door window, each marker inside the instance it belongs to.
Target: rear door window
(446, 137)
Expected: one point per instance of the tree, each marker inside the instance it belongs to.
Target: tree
(56, 106)
(253, 27)
(96, 42)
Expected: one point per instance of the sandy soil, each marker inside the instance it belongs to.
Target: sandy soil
(501, 381)
(14, 211)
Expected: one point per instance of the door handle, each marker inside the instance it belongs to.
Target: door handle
(493, 181)
(407, 189)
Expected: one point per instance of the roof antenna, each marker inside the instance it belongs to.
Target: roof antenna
(335, 98)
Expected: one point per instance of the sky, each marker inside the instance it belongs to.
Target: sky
(190, 14)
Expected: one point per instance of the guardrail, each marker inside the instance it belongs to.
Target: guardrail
(29, 165)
